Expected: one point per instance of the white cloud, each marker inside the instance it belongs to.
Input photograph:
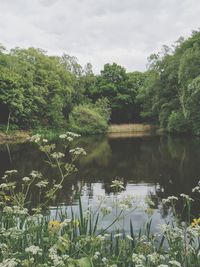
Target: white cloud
(99, 31)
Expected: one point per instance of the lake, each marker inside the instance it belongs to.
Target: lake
(153, 166)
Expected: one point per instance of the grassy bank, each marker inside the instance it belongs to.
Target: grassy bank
(14, 136)
(114, 130)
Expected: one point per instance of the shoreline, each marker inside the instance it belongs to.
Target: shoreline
(114, 130)
(132, 128)
(18, 136)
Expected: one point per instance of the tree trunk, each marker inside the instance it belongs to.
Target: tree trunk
(8, 123)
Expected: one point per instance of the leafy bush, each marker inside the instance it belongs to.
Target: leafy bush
(103, 107)
(177, 123)
(87, 119)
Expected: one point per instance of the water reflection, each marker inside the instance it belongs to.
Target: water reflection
(158, 166)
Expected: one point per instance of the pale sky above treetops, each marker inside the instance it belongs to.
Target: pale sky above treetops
(98, 31)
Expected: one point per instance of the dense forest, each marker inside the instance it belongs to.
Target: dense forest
(39, 90)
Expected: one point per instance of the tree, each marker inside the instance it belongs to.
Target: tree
(36, 87)
(193, 103)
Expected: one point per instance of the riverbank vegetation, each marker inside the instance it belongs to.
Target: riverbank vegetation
(34, 235)
(38, 90)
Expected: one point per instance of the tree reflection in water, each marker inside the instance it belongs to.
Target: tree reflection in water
(158, 166)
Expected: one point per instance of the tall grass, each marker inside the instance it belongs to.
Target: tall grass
(134, 127)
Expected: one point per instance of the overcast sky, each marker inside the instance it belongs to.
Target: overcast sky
(98, 31)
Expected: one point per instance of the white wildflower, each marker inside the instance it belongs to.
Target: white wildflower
(7, 209)
(36, 174)
(11, 172)
(104, 260)
(57, 155)
(170, 199)
(196, 189)
(73, 134)
(4, 186)
(123, 207)
(9, 263)
(56, 259)
(34, 250)
(96, 255)
(35, 138)
(20, 211)
(101, 237)
(62, 136)
(155, 258)
(117, 184)
(78, 151)
(42, 184)
(26, 179)
(57, 186)
(186, 197)
(129, 237)
(138, 259)
(117, 235)
(106, 210)
(70, 139)
(66, 222)
(175, 263)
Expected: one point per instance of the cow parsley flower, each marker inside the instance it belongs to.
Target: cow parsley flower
(42, 184)
(186, 197)
(129, 237)
(26, 179)
(35, 138)
(34, 250)
(11, 172)
(117, 184)
(78, 151)
(9, 262)
(57, 155)
(62, 136)
(175, 263)
(96, 255)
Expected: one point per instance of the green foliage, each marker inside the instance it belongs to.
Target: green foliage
(177, 123)
(90, 118)
(40, 90)
(36, 88)
(168, 94)
(102, 105)
(146, 97)
(192, 105)
(120, 88)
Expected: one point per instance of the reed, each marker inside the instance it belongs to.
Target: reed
(130, 128)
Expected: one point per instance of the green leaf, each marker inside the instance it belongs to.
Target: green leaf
(84, 262)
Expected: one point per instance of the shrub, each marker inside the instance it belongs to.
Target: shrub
(86, 119)
(103, 107)
(177, 123)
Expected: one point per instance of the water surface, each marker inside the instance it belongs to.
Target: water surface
(153, 166)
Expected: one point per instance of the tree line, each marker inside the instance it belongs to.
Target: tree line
(41, 90)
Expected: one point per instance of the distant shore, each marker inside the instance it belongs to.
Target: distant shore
(14, 137)
(132, 128)
(114, 130)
